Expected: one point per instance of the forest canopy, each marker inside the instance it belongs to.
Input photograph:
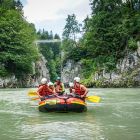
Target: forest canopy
(17, 50)
(110, 34)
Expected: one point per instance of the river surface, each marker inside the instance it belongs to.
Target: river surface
(116, 117)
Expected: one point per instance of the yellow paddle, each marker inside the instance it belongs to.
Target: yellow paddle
(35, 98)
(92, 98)
(32, 93)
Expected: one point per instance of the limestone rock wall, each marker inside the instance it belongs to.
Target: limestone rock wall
(70, 70)
(10, 81)
(127, 73)
(39, 71)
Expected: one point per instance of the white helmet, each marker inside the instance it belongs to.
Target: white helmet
(71, 84)
(50, 84)
(77, 79)
(43, 80)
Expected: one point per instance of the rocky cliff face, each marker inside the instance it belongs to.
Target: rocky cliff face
(70, 70)
(39, 71)
(9, 81)
(127, 73)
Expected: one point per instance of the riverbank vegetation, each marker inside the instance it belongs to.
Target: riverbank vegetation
(17, 50)
(110, 34)
(51, 52)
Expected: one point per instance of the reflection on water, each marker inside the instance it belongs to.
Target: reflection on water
(117, 117)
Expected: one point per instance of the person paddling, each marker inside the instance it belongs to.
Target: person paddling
(51, 86)
(71, 87)
(59, 86)
(43, 90)
(79, 89)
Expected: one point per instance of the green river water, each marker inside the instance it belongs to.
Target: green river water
(116, 117)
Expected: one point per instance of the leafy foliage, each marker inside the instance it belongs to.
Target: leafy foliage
(71, 28)
(111, 33)
(51, 51)
(42, 34)
(70, 32)
(17, 51)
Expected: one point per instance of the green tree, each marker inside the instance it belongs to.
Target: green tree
(50, 35)
(70, 32)
(51, 51)
(110, 34)
(71, 28)
(17, 51)
(109, 30)
(56, 36)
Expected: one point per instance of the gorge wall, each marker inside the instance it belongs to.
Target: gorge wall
(39, 70)
(70, 70)
(127, 73)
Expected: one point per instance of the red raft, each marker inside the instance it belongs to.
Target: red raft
(62, 104)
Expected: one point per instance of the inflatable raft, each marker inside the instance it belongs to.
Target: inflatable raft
(62, 104)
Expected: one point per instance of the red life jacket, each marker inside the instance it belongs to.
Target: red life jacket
(45, 90)
(79, 90)
(58, 87)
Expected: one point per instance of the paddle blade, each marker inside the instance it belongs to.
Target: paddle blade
(95, 99)
(37, 98)
(32, 93)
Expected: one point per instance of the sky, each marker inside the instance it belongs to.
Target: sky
(52, 14)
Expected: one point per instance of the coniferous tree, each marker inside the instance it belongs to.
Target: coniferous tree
(71, 28)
